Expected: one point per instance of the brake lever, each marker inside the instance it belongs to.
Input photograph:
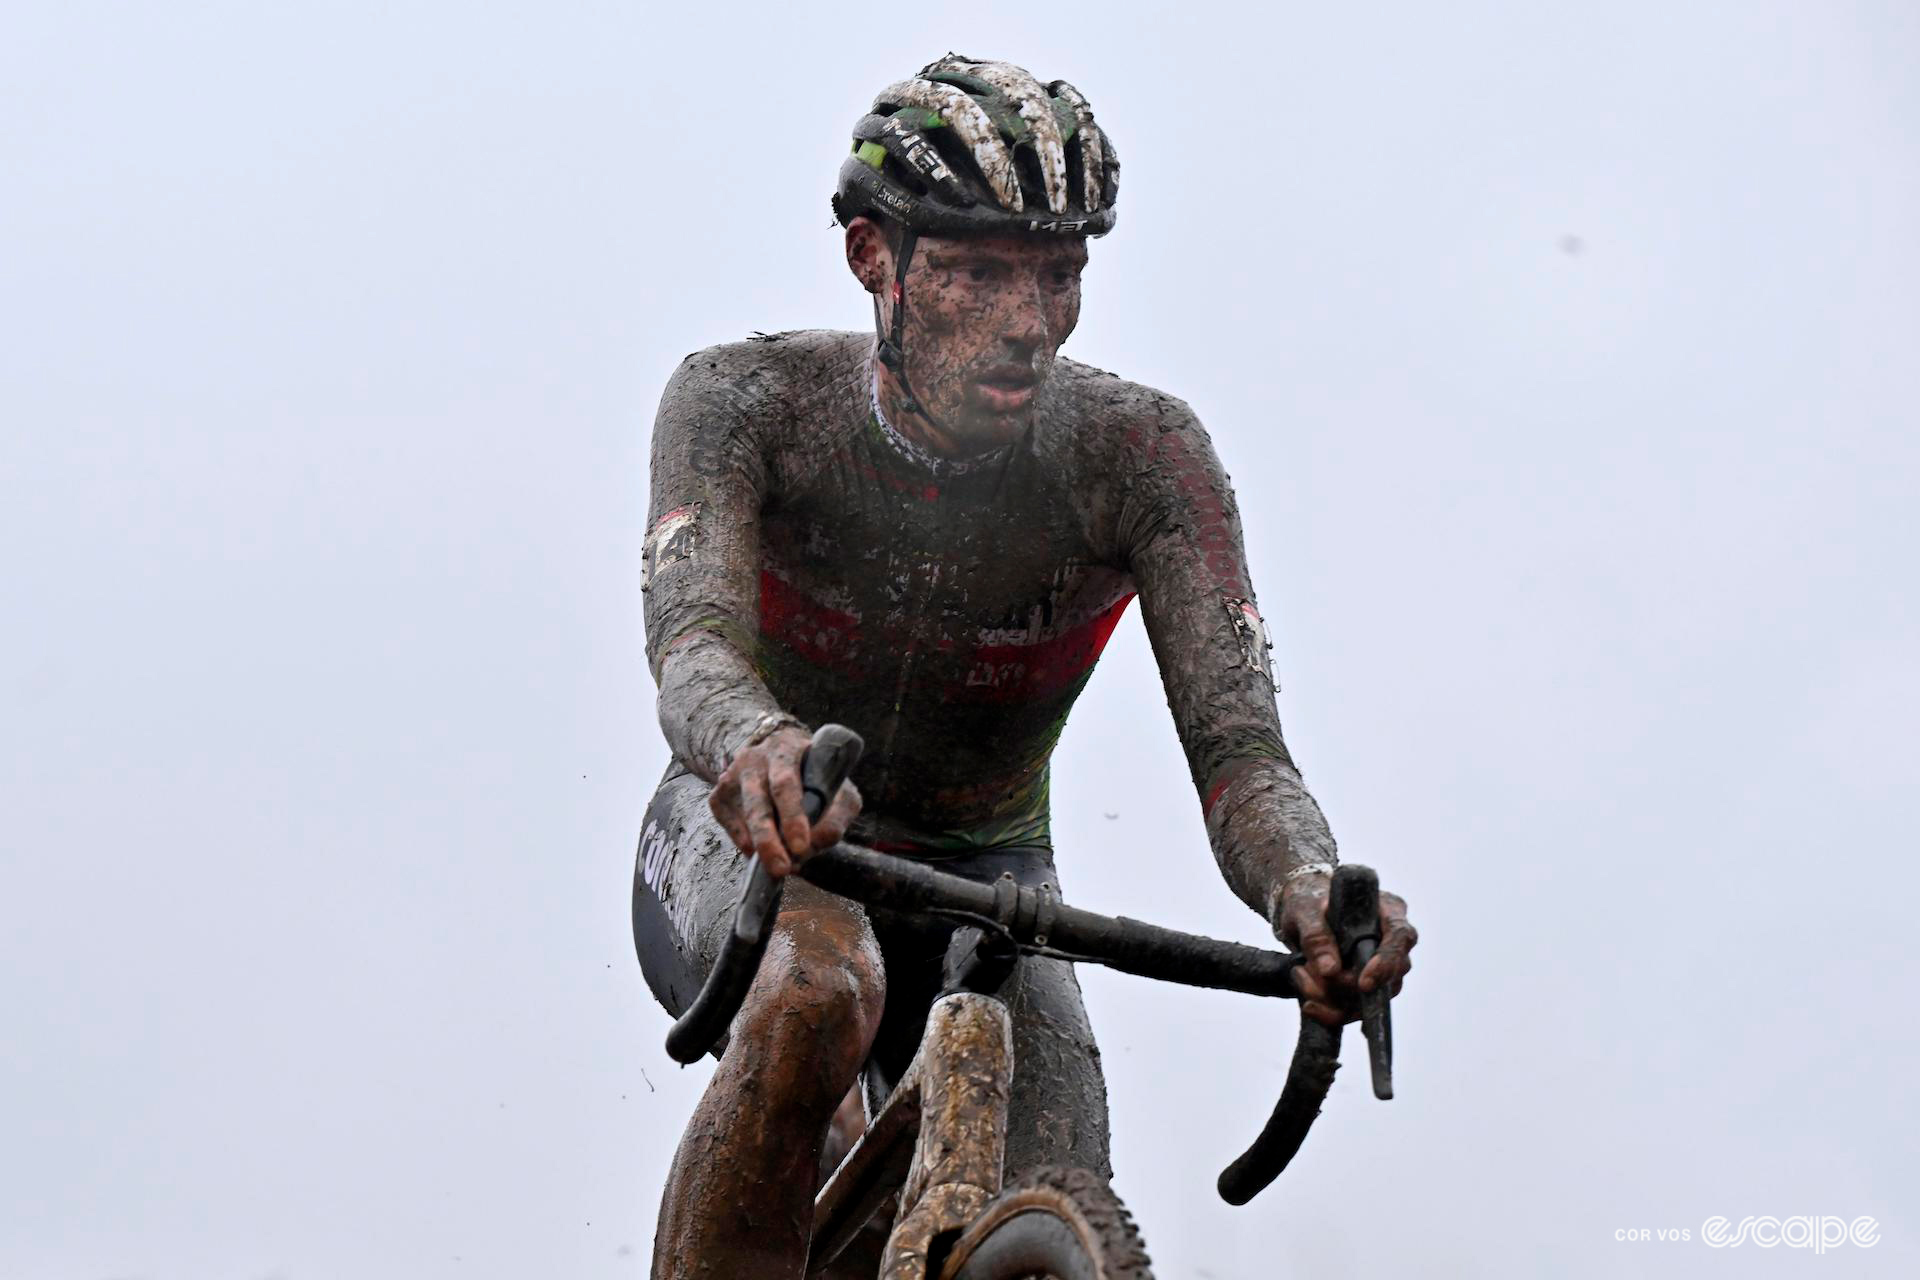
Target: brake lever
(830, 757)
(1353, 914)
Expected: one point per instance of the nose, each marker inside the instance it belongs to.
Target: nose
(1024, 324)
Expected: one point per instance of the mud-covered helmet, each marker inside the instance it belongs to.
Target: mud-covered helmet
(973, 146)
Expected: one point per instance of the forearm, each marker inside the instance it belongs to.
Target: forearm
(712, 702)
(1266, 829)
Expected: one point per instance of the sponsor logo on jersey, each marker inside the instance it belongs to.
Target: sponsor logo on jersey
(1256, 644)
(672, 539)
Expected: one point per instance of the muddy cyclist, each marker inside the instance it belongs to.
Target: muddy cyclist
(930, 530)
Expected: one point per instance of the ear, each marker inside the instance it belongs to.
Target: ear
(868, 256)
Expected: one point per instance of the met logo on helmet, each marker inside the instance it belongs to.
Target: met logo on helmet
(1057, 224)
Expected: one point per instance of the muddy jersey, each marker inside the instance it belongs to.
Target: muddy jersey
(803, 557)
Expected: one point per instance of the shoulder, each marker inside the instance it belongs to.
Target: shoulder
(1143, 458)
(764, 377)
(1105, 419)
(1117, 450)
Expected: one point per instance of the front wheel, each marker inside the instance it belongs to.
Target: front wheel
(1051, 1224)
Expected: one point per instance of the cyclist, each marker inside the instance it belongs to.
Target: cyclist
(928, 532)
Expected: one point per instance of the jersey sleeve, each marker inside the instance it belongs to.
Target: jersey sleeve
(700, 566)
(1180, 533)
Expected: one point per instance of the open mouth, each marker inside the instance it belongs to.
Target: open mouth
(1008, 390)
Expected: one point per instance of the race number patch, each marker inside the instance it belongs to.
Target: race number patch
(672, 539)
(1256, 645)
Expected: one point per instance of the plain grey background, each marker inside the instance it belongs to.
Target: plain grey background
(1563, 356)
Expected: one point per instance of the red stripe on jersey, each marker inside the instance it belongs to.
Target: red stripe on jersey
(823, 636)
(1018, 672)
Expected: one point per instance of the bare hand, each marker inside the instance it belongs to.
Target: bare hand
(759, 802)
(1331, 994)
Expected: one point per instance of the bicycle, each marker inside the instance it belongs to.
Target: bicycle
(935, 1147)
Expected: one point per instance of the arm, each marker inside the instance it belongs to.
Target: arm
(1181, 535)
(700, 574)
(700, 567)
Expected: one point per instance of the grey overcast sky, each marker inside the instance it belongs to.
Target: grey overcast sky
(1564, 356)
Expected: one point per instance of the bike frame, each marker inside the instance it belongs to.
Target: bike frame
(951, 1104)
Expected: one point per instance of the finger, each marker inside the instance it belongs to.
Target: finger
(1396, 930)
(767, 845)
(1344, 983)
(726, 791)
(724, 804)
(1392, 959)
(789, 803)
(1325, 1013)
(1298, 904)
(736, 829)
(1371, 973)
(758, 809)
(1383, 968)
(832, 827)
(1308, 984)
(1317, 940)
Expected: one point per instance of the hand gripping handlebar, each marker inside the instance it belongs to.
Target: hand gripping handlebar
(831, 756)
(1353, 913)
(1037, 922)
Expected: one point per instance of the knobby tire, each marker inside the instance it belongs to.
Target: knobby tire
(1051, 1224)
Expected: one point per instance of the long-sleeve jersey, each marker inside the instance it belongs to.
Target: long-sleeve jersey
(803, 557)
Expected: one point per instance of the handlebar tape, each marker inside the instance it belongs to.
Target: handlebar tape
(1315, 1059)
(1353, 913)
(830, 757)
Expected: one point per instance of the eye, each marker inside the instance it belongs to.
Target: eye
(1063, 278)
(980, 274)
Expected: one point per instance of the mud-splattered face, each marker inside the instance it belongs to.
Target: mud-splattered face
(985, 317)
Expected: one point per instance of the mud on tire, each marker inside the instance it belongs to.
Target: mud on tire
(1056, 1224)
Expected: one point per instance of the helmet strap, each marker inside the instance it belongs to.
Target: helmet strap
(892, 347)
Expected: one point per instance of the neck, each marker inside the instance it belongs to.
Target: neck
(913, 424)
